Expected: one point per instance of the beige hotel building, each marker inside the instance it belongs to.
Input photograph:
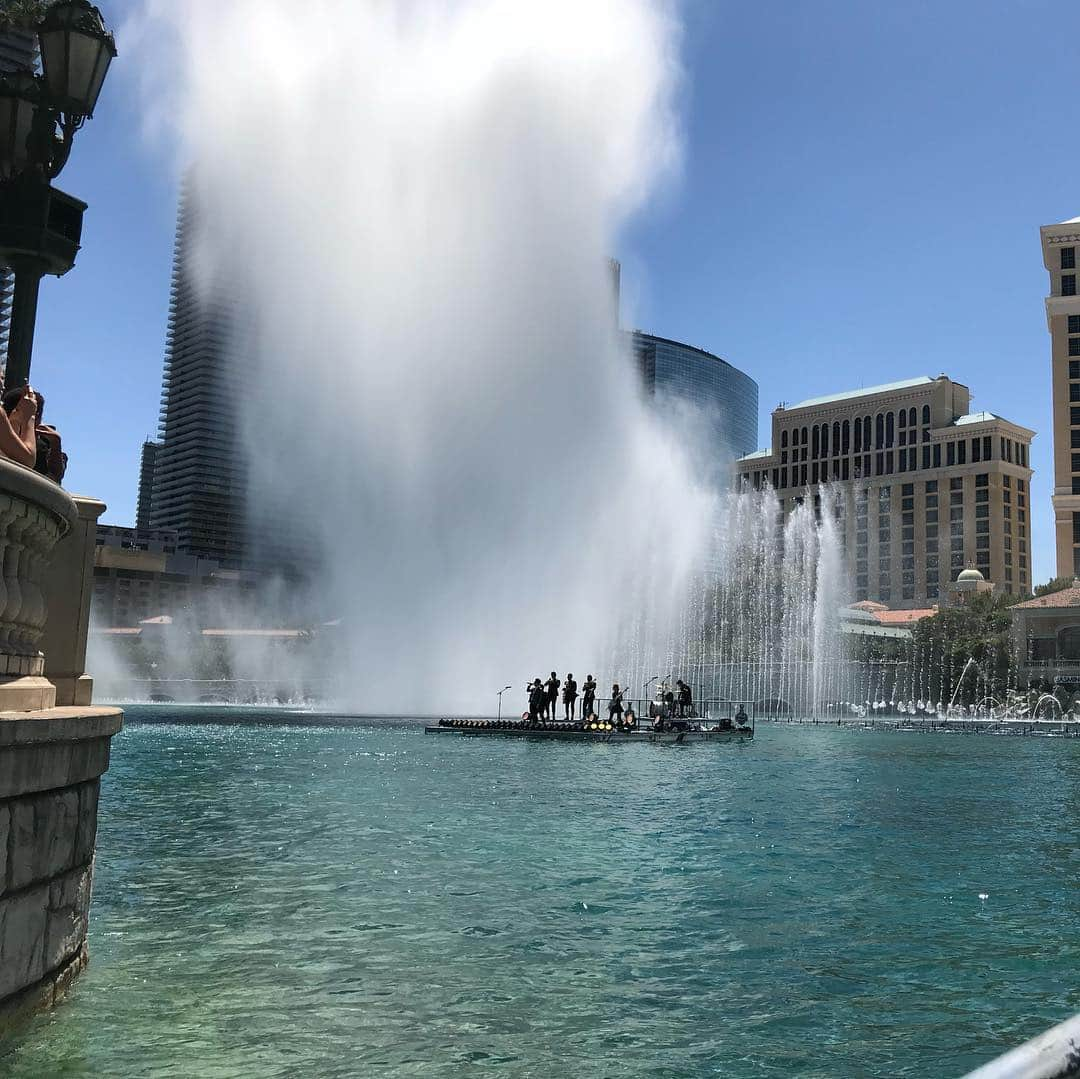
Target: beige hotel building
(1059, 245)
(928, 488)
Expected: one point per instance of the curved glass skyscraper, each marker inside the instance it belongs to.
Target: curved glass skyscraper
(720, 400)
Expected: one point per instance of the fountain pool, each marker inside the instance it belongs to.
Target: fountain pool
(362, 900)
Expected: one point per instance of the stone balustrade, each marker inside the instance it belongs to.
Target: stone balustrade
(35, 515)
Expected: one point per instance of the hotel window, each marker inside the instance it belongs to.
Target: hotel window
(981, 510)
(988, 447)
(956, 483)
(879, 462)
(931, 489)
(931, 516)
(1074, 350)
(1074, 392)
(926, 456)
(950, 454)
(911, 460)
(937, 452)
(879, 432)
(1074, 366)
(1074, 324)
(1068, 284)
(982, 494)
(1074, 417)
(1068, 258)
(1076, 462)
(1076, 485)
(961, 453)
(976, 446)
(845, 437)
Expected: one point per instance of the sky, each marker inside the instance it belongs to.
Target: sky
(859, 201)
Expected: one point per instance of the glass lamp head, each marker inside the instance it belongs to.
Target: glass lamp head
(19, 95)
(76, 50)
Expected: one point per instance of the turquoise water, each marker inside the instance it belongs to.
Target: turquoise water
(368, 901)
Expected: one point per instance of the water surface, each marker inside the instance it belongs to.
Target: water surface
(363, 900)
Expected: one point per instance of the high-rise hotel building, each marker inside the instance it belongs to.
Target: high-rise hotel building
(193, 479)
(1059, 245)
(926, 487)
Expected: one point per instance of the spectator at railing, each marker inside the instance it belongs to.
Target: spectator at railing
(18, 426)
(25, 439)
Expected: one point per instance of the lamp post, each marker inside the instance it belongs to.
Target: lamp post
(501, 692)
(41, 227)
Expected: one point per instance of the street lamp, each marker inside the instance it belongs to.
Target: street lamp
(41, 227)
(501, 692)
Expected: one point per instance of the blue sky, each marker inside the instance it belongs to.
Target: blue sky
(860, 201)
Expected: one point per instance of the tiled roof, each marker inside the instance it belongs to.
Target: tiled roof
(1067, 597)
(903, 618)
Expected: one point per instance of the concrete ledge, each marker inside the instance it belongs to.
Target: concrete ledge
(58, 725)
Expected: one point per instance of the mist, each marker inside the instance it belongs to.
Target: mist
(415, 204)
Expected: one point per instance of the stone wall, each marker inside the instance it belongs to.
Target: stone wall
(50, 768)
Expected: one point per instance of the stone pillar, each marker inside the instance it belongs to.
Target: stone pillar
(35, 514)
(51, 759)
(69, 587)
(50, 768)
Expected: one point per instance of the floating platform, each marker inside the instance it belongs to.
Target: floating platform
(580, 732)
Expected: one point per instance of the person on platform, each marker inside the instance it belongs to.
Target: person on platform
(686, 699)
(18, 425)
(588, 696)
(552, 688)
(615, 708)
(741, 719)
(537, 698)
(569, 697)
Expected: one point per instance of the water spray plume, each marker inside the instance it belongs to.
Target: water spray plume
(413, 205)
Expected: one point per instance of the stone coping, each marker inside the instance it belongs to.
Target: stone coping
(21, 482)
(59, 725)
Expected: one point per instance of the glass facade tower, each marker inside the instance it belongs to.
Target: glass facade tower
(725, 399)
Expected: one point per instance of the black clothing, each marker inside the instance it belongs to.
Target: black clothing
(588, 699)
(569, 691)
(615, 707)
(686, 701)
(537, 699)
